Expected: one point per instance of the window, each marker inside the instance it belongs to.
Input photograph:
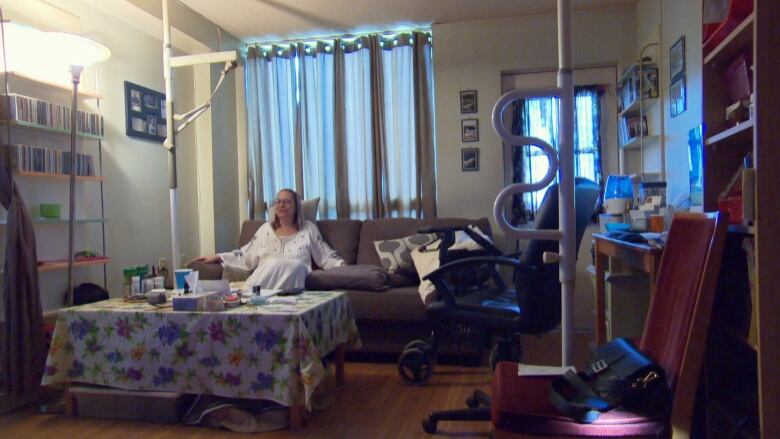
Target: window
(313, 112)
(538, 117)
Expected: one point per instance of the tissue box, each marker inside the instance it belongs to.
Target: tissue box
(192, 301)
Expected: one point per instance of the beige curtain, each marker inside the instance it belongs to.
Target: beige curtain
(340, 133)
(256, 204)
(423, 108)
(23, 349)
(380, 194)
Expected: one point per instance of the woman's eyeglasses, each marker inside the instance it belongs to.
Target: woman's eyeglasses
(283, 202)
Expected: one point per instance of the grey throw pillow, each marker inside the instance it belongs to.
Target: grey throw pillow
(396, 254)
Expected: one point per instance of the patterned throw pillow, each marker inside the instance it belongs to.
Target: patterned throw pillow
(396, 254)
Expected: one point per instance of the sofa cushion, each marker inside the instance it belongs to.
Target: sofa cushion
(393, 304)
(396, 254)
(343, 235)
(393, 228)
(248, 230)
(381, 230)
(356, 277)
(402, 279)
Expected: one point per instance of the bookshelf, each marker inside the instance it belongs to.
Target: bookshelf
(35, 135)
(639, 96)
(743, 370)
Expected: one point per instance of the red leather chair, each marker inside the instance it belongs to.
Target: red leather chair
(675, 336)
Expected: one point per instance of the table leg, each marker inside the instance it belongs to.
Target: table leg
(297, 416)
(69, 406)
(338, 360)
(600, 299)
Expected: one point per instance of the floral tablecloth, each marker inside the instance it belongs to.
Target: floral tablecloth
(270, 352)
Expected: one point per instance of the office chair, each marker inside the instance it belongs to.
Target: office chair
(674, 336)
(533, 306)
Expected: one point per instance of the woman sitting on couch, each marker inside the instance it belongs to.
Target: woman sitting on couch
(280, 253)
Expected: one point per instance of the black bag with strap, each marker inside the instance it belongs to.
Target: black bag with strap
(621, 376)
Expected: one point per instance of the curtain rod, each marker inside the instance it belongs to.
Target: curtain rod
(333, 37)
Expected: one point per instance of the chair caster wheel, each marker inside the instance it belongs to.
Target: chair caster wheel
(419, 344)
(429, 425)
(415, 366)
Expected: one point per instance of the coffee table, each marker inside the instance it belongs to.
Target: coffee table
(271, 352)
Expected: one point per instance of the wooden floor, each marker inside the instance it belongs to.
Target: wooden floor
(374, 403)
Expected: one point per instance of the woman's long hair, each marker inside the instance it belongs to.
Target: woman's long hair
(297, 218)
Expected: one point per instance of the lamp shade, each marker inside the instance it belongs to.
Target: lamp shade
(34, 51)
(75, 50)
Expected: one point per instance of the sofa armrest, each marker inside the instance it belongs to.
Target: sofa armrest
(207, 271)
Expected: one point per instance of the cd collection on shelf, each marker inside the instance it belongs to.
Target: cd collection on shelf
(630, 84)
(28, 158)
(48, 114)
(631, 127)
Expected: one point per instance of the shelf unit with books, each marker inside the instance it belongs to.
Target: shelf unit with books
(35, 138)
(638, 95)
(744, 372)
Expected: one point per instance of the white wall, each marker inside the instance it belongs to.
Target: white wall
(682, 19)
(677, 19)
(472, 56)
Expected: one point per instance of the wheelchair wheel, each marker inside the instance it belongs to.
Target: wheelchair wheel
(414, 366)
(419, 344)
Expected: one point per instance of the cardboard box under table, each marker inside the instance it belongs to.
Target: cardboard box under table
(131, 405)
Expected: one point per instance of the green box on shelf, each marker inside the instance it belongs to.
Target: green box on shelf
(50, 210)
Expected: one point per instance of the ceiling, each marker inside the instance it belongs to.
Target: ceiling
(273, 20)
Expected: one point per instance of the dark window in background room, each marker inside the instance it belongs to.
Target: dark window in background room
(538, 117)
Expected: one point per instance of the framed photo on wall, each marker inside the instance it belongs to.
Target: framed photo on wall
(469, 158)
(677, 97)
(144, 113)
(469, 130)
(468, 101)
(677, 60)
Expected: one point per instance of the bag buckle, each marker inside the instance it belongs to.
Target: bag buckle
(645, 380)
(599, 365)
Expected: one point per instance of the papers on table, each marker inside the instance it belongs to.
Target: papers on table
(539, 370)
(284, 300)
(270, 292)
(220, 286)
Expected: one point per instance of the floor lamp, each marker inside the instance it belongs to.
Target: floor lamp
(33, 50)
(77, 52)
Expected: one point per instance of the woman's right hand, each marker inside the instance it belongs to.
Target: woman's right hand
(207, 259)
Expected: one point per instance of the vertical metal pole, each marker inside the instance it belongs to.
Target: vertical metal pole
(566, 212)
(662, 118)
(170, 139)
(75, 72)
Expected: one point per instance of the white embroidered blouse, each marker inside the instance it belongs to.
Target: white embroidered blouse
(265, 246)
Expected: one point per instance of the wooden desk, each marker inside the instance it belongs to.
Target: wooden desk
(639, 256)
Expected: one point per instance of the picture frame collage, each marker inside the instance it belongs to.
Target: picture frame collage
(677, 92)
(469, 131)
(145, 116)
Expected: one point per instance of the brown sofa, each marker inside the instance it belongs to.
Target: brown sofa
(387, 307)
